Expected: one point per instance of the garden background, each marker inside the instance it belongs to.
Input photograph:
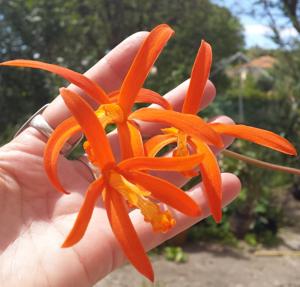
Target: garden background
(256, 85)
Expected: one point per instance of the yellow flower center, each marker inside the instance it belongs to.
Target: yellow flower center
(182, 146)
(110, 113)
(138, 197)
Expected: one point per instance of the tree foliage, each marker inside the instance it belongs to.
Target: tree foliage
(78, 33)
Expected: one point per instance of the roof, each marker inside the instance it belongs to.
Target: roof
(263, 62)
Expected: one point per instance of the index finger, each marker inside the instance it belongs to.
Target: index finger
(176, 98)
(109, 73)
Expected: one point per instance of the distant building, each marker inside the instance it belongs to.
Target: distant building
(239, 67)
(256, 67)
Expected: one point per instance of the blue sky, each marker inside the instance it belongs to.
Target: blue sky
(256, 30)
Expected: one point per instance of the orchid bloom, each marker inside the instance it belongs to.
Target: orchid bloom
(127, 183)
(115, 107)
(186, 141)
(124, 183)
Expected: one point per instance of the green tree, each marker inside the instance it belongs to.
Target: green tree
(78, 33)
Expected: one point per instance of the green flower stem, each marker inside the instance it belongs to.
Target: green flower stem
(260, 163)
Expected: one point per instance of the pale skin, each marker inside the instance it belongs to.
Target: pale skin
(35, 219)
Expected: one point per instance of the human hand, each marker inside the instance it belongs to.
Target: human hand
(35, 219)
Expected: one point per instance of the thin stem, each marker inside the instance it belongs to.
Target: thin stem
(261, 163)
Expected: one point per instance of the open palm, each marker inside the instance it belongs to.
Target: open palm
(35, 218)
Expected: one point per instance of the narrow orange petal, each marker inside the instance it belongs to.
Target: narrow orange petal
(58, 138)
(189, 124)
(256, 135)
(145, 96)
(90, 87)
(167, 193)
(90, 125)
(136, 139)
(161, 163)
(85, 213)
(126, 234)
(151, 97)
(156, 143)
(141, 66)
(199, 77)
(211, 177)
(130, 139)
(124, 140)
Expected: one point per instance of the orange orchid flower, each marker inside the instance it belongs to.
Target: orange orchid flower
(122, 184)
(187, 141)
(115, 107)
(126, 184)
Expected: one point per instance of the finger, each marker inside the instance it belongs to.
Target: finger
(177, 95)
(231, 187)
(227, 140)
(109, 73)
(176, 98)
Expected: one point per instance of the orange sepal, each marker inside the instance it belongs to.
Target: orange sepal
(125, 233)
(58, 138)
(85, 213)
(156, 143)
(189, 124)
(145, 96)
(167, 193)
(190, 173)
(141, 66)
(130, 140)
(124, 140)
(86, 84)
(211, 178)
(161, 163)
(135, 140)
(151, 97)
(91, 127)
(199, 77)
(256, 135)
